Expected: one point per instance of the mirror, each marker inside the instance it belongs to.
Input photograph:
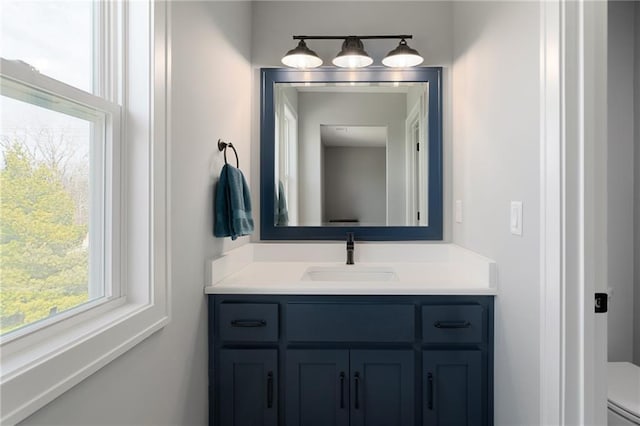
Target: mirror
(351, 151)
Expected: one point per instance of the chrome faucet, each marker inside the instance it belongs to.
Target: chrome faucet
(350, 248)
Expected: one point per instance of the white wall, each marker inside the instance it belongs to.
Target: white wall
(636, 351)
(496, 156)
(413, 97)
(355, 184)
(291, 93)
(274, 22)
(354, 109)
(163, 380)
(620, 186)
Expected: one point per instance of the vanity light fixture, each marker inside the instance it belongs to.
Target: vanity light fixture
(352, 54)
(301, 57)
(402, 56)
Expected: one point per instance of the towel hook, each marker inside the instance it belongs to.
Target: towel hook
(222, 146)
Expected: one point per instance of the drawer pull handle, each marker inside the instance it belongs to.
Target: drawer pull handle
(356, 378)
(430, 391)
(269, 389)
(342, 390)
(248, 323)
(452, 324)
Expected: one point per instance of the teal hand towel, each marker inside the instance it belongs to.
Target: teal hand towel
(232, 205)
(282, 215)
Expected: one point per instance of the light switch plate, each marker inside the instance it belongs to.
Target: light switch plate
(458, 211)
(516, 218)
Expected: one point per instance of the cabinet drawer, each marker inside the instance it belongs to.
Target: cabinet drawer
(256, 322)
(452, 324)
(348, 322)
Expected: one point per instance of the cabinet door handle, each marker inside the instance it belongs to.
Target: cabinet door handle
(269, 389)
(356, 378)
(342, 390)
(248, 323)
(430, 391)
(452, 324)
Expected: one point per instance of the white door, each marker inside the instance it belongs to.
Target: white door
(595, 15)
(417, 163)
(574, 234)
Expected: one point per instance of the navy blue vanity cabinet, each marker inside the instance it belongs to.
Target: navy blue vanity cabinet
(249, 378)
(324, 360)
(350, 387)
(317, 387)
(452, 383)
(382, 387)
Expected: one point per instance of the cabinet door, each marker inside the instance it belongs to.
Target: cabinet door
(317, 384)
(249, 380)
(382, 388)
(452, 388)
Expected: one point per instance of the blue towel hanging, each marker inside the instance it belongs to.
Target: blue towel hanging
(282, 215)
(232, 204)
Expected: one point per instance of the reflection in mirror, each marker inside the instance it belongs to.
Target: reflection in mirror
(354, 174)
(351, 154)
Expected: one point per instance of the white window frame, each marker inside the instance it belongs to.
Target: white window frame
(38, 367)
(21, 82)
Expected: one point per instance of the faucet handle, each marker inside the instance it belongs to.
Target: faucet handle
(350, 248)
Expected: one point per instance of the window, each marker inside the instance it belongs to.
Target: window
(49, 260)
(286, 150)
(83, 191)
(289, 166)
(54, 180)
(60, 41)
(56, 165)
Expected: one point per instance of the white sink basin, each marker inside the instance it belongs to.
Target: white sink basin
(349, 273)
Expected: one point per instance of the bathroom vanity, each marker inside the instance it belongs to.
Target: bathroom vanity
(297, 338)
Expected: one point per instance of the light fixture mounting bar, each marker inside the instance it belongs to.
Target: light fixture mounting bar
(365, 37)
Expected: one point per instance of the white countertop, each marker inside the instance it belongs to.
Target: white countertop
(420, 269)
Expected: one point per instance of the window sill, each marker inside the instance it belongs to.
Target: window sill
(33, 376)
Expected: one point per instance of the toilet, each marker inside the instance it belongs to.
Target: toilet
(624, 394)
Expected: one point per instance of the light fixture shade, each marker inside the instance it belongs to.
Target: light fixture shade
(352, 54)
(302, 57)
(402, 56)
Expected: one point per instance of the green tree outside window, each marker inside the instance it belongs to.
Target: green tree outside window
(43, 245)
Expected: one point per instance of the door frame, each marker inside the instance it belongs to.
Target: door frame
(418, 113)
(411, 205)
(573, 211)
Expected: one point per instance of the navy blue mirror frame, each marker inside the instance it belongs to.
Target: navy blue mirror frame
(268, 229)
